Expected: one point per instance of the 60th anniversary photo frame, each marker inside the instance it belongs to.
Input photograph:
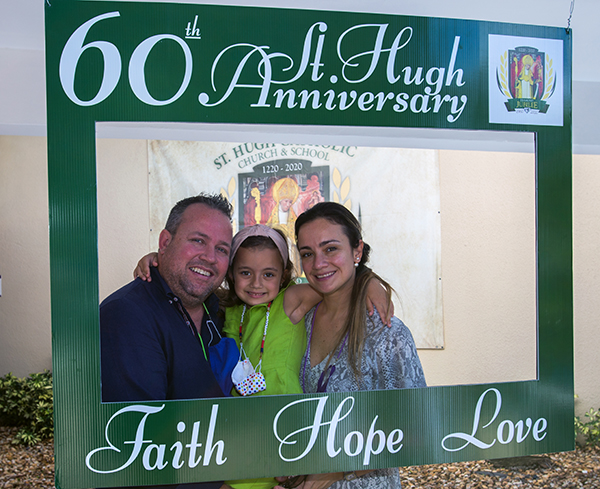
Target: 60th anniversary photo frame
(296, 70)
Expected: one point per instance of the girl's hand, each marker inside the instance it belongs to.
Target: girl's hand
(142, 270)
(377, 298)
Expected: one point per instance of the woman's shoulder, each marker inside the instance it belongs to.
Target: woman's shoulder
(381, 333)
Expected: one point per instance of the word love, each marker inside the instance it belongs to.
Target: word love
(154, 455)
(355, 443)
(506, 432)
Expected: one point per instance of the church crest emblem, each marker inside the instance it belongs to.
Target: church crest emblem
(527, 78)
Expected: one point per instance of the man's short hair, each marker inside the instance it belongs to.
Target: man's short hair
(214, 201)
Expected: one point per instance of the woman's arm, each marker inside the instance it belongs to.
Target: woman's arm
(396, 358)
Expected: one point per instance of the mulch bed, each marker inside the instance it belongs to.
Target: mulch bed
(33, 467)
(25, 467)
(577, 469)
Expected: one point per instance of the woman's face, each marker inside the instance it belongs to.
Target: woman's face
(327, 257)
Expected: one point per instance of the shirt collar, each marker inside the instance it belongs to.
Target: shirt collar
(155, 274)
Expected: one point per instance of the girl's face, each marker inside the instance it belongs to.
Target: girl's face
(257, 274)
(327, 257)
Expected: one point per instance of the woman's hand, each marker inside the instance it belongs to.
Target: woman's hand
(318, 481)
(377, 298)
(315, 481)
(142, 270)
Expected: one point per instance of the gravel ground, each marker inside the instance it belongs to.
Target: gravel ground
(578, 469)
(33, 467)
(25, 467)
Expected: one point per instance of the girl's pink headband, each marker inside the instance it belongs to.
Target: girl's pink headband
(259, 230)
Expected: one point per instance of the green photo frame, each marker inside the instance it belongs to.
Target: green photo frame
(132, 62)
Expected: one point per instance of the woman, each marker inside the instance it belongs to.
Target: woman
(347, 349)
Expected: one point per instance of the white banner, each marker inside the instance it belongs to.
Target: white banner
(394, 193)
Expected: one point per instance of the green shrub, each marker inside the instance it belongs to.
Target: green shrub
(27, 404)
(589, 430)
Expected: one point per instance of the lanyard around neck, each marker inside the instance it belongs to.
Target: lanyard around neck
(188, 320)
(330, 369)
(262, 344)
(200, 336)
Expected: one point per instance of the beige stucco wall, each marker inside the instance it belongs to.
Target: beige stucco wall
(123, 212)
(24, 264)
(586, 283)
(488, 269)
(488, 258)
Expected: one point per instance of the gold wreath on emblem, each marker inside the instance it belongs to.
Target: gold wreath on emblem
(549, 79)
(229, 194)
(503, 76)
(341, 189)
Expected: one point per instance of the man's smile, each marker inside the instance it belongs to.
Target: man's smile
(201, 271)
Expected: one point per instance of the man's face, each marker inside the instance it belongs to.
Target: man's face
(195, 259)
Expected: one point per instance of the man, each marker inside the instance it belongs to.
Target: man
(155, 335)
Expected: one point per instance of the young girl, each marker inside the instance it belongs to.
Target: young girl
(262, 304)
(264, 311)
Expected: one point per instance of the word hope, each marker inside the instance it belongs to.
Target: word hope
(355, 443)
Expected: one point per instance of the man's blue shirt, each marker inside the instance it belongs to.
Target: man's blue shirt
(148, 352)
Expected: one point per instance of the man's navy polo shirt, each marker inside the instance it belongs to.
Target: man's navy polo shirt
(148, 352)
